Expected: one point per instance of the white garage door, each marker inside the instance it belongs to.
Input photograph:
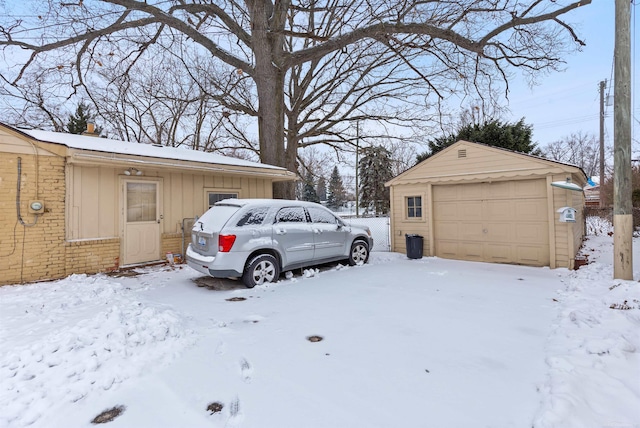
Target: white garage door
(500, 222)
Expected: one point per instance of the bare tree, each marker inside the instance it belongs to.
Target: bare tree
(161, 104)
(403, 157)
(466, 46)
(35, 104)
(313, 163)
(580, 149)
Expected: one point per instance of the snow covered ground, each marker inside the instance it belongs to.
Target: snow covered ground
(405, 343)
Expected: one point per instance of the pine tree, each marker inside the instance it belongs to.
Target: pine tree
(321, 189)
(512, 136)
(337, 194)
(309, 191)
(375, 170)
(77, 123)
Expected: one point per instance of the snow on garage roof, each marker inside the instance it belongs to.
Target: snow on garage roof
(83, 142)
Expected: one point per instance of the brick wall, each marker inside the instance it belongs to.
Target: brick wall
(172, 242)
(92, 255)
(36, 250)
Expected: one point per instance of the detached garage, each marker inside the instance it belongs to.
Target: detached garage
(481, 203)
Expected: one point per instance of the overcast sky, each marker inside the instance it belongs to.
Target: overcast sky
(569, 101)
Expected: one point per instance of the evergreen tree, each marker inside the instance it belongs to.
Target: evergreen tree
(77, 123)
(512, 136)
(321, 189)
(309, 191)
(337, 195)
(375, 170)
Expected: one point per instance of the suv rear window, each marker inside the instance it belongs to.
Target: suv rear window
(253, 217)
(217, 216)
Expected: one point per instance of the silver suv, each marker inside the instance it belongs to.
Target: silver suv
(257, 239)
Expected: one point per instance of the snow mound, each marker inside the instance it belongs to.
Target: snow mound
(75, 353)
(598, 226)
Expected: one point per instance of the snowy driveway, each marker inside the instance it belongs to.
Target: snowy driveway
(412, 343)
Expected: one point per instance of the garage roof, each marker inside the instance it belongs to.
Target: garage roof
(468, 161)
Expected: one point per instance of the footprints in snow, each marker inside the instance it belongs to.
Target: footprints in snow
(234, 416)
(245, 370)
(232, 412)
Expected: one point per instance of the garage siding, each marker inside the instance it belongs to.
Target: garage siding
(579, 229)
(568, 235)
(500, 222)
(403, 225)
(468, 161)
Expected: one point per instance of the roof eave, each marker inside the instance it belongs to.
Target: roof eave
(90, 157)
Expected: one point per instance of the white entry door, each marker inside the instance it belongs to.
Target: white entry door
(141, 221)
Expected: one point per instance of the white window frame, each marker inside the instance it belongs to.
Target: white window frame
(226, 192)
(407, 208)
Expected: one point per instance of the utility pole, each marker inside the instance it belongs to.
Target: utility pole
(622, 207)
(357, 167)
(603, 85)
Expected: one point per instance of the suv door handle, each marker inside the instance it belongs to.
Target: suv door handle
(318, 231)
(281, 232)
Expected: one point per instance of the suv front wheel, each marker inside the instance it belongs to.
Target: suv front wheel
(359, 253)
(261, 269)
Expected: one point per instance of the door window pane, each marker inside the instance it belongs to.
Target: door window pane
(141, 202)
(319, 215)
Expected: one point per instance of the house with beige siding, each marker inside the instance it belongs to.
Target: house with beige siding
(482, 203)
(83, 204)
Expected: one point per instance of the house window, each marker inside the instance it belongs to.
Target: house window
(414, 207)
(214, 197)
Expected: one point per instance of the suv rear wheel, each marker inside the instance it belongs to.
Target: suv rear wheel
(261, 269)
(359, 253)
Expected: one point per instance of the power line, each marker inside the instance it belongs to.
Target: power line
(566, 121)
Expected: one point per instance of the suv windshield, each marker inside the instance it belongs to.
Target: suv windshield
(213, 220)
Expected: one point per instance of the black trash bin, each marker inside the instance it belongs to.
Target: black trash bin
(414, 246)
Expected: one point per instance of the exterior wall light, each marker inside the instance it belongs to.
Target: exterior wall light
(132, 171)
(567, 185)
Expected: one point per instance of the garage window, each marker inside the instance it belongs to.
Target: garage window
(414, 207)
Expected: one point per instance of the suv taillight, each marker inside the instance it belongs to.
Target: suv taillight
(225, 242)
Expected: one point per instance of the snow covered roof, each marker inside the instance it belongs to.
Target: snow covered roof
(106, 145)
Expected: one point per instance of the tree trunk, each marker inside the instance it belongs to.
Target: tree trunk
(269, 78)
(270, 88)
